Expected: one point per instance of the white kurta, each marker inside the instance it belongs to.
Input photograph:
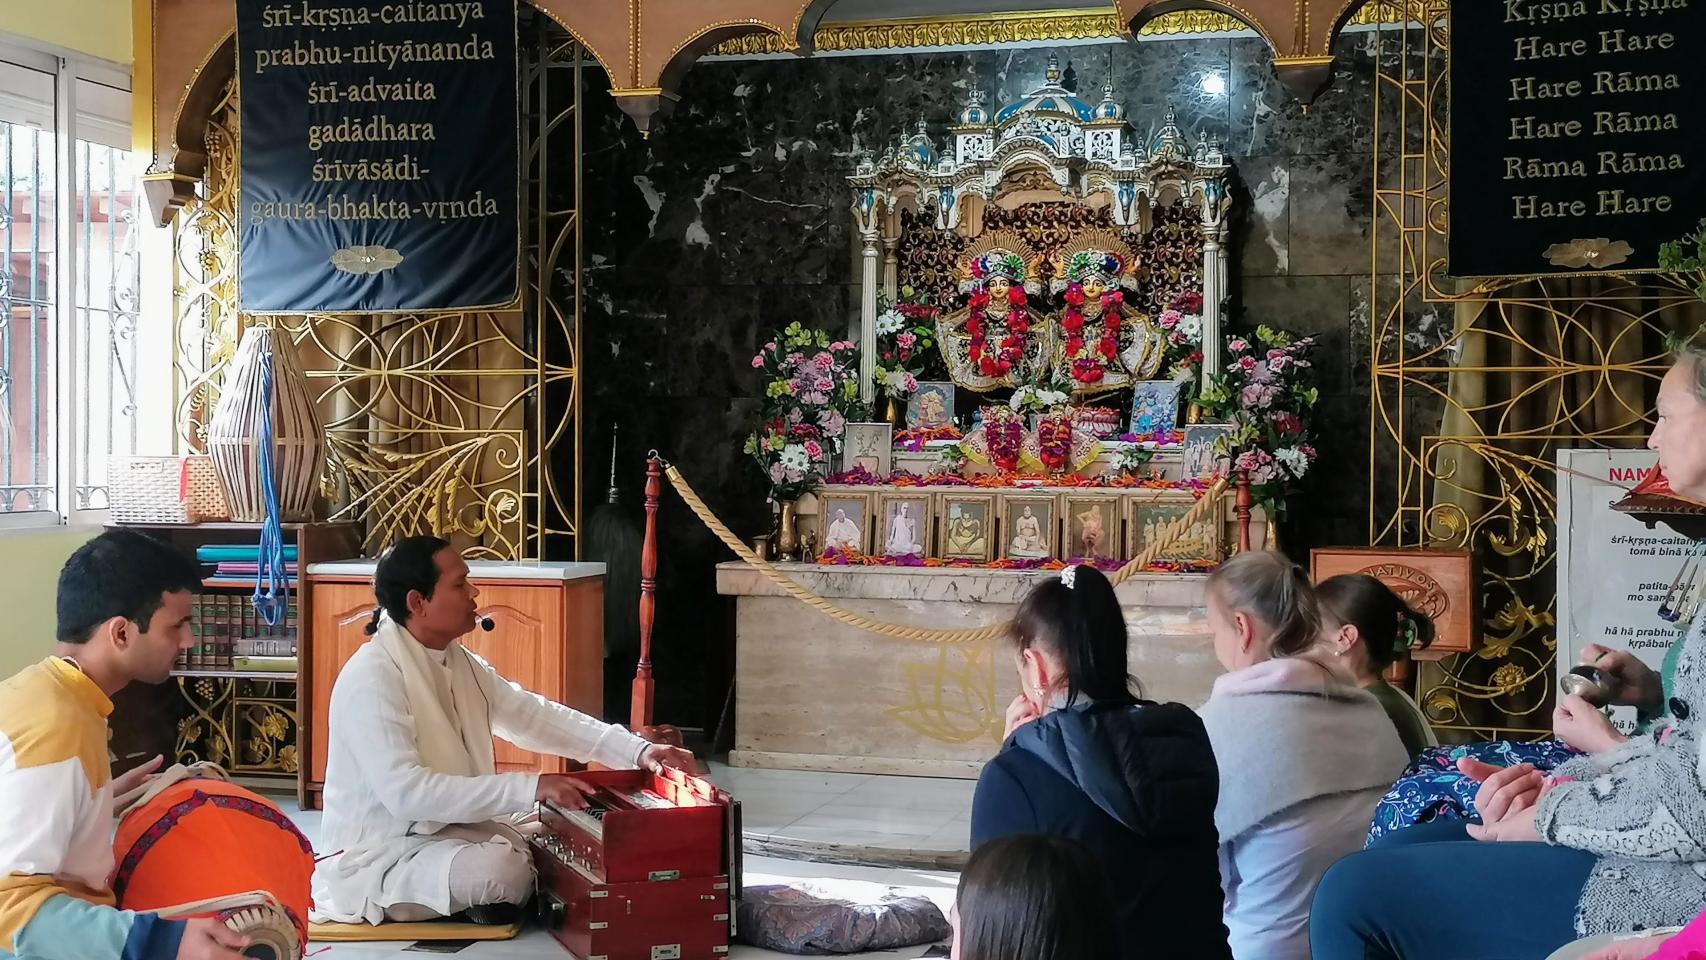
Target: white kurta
(383, 803)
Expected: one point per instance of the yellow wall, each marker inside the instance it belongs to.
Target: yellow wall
(99, 28)
(29, 578)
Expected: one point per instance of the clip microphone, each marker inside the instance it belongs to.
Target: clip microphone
(486, 623)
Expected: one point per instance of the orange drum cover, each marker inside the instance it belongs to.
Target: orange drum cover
(205, 839)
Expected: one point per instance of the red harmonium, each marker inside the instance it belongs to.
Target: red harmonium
(649, 870)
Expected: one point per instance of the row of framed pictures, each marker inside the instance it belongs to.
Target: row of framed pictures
(1022, 524)
(1154, 406)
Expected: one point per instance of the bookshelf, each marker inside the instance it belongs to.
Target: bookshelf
(217, 706)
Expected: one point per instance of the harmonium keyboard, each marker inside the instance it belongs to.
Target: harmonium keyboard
(649, 870)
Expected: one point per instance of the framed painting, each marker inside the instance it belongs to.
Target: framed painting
(1200, 453)
(904, 524)
(868, 445)
(1154, 406)
(1028, 527)
(1437, 583)
(966, 524)
(930, 406)
(846, 520)
(1092, 526)
(1200, 544)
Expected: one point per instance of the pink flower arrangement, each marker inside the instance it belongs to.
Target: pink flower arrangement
(1267, 395)
(812, 388)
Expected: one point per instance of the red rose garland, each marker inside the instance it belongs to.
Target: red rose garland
(1090, 366)
(1004, 437)
(1011, 350)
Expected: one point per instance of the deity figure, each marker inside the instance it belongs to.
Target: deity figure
(1101, 344)
(994, 341)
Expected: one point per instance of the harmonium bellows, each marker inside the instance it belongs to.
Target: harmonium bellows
(649, 870)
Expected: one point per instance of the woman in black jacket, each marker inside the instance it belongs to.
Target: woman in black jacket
(1135, 782)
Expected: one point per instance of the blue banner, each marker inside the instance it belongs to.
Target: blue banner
(380, 161)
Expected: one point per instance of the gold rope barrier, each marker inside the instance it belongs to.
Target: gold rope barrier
(900, 631)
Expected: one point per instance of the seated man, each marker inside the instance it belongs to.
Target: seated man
(412, 800)
(124, 613)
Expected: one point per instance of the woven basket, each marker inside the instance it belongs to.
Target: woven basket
(145, 490)
(233, 437)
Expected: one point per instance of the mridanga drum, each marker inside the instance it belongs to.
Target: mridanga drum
(202, 847)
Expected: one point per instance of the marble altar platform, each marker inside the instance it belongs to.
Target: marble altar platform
(814, 694)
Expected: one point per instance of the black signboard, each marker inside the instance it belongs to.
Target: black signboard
(1577, 133)
(379, 155)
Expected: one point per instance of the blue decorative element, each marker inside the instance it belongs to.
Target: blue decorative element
(270, 571)
(1054, 101)
(1433, 789)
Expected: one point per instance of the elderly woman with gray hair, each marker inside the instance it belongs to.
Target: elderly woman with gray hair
(1612, 841)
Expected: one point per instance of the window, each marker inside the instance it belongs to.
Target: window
(76, 354)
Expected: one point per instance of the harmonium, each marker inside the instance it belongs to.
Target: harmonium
(648, 870)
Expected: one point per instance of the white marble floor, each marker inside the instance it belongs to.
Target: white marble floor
(807, 817)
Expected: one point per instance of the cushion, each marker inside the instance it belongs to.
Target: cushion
(829, 917)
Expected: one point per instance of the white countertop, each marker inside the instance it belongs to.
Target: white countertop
(478, 570)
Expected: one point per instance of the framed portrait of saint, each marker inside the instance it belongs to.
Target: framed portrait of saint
(1093, 527)
(868, 445)
(846, 521)
(1154, 406)
(967, 527)
(1028, 527)
(1147, 518)
(1201, 455)
(905, 529)
(930, 406)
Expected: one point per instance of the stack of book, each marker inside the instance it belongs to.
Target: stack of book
(230, 634)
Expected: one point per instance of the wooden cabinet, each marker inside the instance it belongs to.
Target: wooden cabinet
(548, 637)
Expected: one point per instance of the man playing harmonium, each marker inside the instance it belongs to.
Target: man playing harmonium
(418, 825)
(124, 614)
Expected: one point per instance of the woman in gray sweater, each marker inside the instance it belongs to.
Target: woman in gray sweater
(1611, 842)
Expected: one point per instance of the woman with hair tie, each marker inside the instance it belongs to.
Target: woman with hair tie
(1132, 780)
(1368, 627)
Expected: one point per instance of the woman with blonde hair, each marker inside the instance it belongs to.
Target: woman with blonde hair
(1303, 755)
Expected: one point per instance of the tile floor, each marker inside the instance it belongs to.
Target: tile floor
(813, 817)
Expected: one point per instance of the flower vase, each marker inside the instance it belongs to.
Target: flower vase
(787, 537)
(1193, 413)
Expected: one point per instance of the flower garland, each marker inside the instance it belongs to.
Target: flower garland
(1009, 352)
(1054, 440)
(1090, 366)
(1005, 439)
(1160, 438)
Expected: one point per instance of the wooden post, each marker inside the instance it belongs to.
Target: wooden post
(1242, 504)
(640, 711)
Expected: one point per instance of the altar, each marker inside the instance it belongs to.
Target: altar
(813, 694)
(1042, 378)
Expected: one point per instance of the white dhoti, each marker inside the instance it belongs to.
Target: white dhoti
(413, 803)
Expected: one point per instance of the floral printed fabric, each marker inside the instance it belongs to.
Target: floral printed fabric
(1432, 788)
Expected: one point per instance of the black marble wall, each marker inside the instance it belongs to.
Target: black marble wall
(732, 220)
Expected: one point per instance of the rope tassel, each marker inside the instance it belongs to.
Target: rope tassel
(1163, 540)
